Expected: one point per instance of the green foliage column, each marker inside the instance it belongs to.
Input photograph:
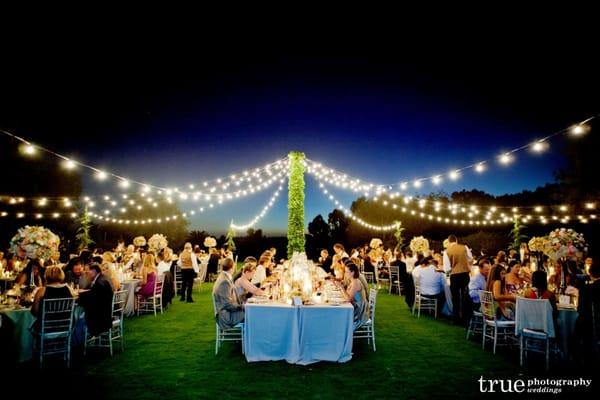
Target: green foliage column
(83, 232)
(296, 239)
(229, 239)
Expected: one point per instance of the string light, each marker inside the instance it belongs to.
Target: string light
(346, 181)
(261, 215)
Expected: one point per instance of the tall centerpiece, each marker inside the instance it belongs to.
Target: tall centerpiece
(419, 244)
(296, 239)
(157, 242)
(34, 242)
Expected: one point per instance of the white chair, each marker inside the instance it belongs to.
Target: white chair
(492, 327)
(395, 279)
(177, 279)
(56, 326)
(422, 302)
(367, 330)
(534, 326)
(475, 324)
(115, 333)
(235, 334)
(381, 281)
(154, 302)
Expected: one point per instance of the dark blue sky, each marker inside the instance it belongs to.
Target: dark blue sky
(378, 114)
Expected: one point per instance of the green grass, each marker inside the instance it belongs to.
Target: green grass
(171, 356)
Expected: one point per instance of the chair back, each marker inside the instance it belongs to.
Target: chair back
(57, 315)
(158, 285)
(394, 273)
(488, 306)
(417, 282)
(119, 302)
(178, 276)
(372, 304)
(534, 314)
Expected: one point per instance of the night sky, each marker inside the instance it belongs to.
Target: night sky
(172, 116)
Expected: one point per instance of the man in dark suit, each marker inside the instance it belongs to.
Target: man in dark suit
(97, 302)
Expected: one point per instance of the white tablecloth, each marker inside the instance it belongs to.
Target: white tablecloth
(447, 309)
(299, 335)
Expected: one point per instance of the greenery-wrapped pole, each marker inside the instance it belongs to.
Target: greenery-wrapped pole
(296, 240)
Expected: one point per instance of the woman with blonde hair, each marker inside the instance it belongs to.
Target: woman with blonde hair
(188, 263)
(148, 276)
(55, 288)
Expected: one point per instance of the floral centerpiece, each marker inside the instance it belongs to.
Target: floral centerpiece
(157, 242)
(537, 243)
(34, 242)
(564, 243)
(419, 244)
(139, 241)
(210, 241)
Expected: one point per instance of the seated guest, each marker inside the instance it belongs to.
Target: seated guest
(148, 276)
(539, 289)
(230, 311)
(164, 261)
(325, 261)
(505, 300)
(97, 302)
(261, 270)
(513, 281)
(111, 276)
(478, 282)
(243, 284)
(55, 289)
(31, 275)
(431, 281)
(74, 273)
(355, 293)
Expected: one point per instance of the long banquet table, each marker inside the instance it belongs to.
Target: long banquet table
(298, 334)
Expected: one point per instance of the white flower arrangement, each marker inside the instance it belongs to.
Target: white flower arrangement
(375, 243)
(34, 242)
(157, 242)
(210, 242)
(419, 244)
(139, 241)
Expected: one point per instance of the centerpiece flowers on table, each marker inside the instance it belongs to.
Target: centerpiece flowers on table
(564, 243)
(139, 241)
(210, 241)
(34, 242)
(419, 244)
(157, 242)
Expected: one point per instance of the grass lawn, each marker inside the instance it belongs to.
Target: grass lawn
(171, 356)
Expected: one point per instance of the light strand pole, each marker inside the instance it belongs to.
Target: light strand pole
(296, 239)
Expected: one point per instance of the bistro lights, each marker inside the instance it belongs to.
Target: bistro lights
(101, 175)
(258, 217)
(505, 158)
(29, 149)
(480, 167)
(539, 146)
(69, 164)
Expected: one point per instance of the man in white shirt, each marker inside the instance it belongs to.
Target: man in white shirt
(431, 281)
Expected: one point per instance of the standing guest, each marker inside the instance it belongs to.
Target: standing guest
(97, 302)
(164, 261)
(229, 308)
(189, 269)
(110, 260)
(54, 259)
(325, 261)
(589, 313)
(458, 261)
(213, 263)
(478, 282)
(586, 266)
(2, 260)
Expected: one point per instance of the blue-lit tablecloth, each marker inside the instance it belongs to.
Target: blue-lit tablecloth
(298, 335)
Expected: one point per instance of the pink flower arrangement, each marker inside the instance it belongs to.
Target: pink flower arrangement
(34, 242)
